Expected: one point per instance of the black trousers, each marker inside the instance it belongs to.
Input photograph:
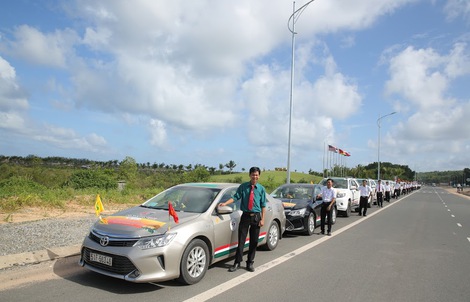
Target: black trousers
(363, 204)
(324, 213)
(249, 222)
(387, 196)
(396, 193)
(380, 199)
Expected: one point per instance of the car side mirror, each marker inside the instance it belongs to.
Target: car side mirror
(224, 210)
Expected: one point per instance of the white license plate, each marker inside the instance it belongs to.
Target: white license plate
(101, 259)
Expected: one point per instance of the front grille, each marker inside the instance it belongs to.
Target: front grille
(297, 223)
(114, 242)
(121, 265)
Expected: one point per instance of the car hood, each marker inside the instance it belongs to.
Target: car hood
(141, 222)
(291, 204)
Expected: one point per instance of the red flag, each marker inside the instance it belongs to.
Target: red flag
(348, 154)
(172, 212)
(342, 152)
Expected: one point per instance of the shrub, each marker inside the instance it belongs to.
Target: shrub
(99, 179)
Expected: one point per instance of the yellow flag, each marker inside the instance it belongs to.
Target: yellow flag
(98, 205)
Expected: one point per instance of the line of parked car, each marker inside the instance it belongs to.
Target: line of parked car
(145, 243)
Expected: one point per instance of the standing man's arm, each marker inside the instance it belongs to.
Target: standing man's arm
(263, 212)
(263, 207)
(333, 200)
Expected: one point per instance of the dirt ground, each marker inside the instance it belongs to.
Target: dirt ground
(71, 211)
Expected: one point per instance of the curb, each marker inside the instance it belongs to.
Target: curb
(39, 256)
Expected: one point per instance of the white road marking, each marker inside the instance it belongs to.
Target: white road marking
(448, 210)
(459, 224)
(468, 238)
(453, 216)
(221, 288)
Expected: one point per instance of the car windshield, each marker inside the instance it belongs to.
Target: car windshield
(184, 198)
(293, 192)
(337, 183)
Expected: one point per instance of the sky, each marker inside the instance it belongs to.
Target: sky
(208, 82)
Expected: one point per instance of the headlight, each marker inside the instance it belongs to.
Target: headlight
(340, 195)
(300, 212)
(154, 242)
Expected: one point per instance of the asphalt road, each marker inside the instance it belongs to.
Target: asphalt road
(413, 249)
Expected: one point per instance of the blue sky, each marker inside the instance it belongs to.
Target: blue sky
(206, 82)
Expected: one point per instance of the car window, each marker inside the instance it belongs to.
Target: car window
(340, 184)
(229, 194)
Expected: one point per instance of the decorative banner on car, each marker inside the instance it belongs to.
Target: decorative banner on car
(136, 222)
(288, 204)
(231, 248)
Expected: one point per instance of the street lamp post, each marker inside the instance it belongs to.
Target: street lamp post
(378, 149)
(294, 17)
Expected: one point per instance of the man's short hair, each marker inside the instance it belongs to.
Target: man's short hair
(330, 179)
(254, 169)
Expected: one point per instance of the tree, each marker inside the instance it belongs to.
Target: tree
(231, 165)
(128, 169)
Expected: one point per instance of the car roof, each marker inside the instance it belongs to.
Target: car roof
(298, 185)
(209, 185)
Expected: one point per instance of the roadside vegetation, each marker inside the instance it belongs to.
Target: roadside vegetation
(56, 182)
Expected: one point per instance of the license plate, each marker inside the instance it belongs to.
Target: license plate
(101, 259)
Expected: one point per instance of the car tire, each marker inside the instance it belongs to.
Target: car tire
(347, 213)
(310, 224)
(194, 263)
(333, 216)
(273, 236)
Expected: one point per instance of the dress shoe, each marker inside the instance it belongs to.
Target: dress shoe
(365, 215)
(322, 232)
(234, 267)
(250, 267)
(329, 234)
(360, 214)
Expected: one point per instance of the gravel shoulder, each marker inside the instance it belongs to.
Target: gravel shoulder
(34, 229)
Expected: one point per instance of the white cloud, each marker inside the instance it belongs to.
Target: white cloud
(417, 75)
(12, 97)
(438, 122)
(50, 49)
(457, 8)
(158, 134)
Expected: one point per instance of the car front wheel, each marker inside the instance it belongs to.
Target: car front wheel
(347, 213)
(272, 237)
(194, 262)
(310, 224)
(333, 215)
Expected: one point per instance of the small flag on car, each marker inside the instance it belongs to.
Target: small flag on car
(98, 205)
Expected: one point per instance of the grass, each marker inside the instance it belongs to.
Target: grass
(28, 195)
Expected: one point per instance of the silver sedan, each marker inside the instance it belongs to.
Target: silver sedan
(145, 243)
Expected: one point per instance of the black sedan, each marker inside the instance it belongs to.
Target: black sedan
(301, 206)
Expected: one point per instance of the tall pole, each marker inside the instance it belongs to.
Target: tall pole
(378, 149)
(291, 98)
(292, 30)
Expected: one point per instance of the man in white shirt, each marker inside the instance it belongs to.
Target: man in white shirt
(328, 194)
(387, 191)
(380, 194)
(366, 193)
(396, 193)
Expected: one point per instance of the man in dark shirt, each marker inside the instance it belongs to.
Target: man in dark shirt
(252, 196)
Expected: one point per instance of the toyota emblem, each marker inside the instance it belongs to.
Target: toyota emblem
(104, 241)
